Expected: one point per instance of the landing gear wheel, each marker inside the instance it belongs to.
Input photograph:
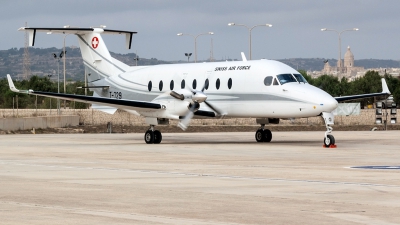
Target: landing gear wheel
(149, 137)
(157, 137)
(267, 135)
(260, 135)
(329, 140)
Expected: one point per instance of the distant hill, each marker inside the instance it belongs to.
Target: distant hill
(42, 62)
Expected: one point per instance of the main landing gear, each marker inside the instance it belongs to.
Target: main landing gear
(329, 140)
(263, 135)
(152, 136)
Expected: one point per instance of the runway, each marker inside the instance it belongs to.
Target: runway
(200, 178)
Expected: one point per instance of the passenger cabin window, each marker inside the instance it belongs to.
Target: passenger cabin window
(160, 85)
(217, 83)
(183, 84)
(300, 78)
(149, 86)
(230, 83)
(171, 85)
(286, 78)
(194, 84)
(206, 83)
(268, 81)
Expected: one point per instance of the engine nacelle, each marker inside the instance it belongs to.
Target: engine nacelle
(195, 106)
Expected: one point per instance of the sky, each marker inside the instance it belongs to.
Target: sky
(295, 32)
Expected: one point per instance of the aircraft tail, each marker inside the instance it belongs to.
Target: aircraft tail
(96, 57)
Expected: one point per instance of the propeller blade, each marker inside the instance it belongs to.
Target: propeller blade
(206, 83)
(213, 108)
(177, 96)
(184, 124)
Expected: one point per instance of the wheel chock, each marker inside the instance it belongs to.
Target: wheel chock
(330, 146)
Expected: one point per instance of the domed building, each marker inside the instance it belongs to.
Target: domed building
(348, 58)
(348, 69)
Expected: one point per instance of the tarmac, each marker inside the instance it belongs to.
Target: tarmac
(200, 178)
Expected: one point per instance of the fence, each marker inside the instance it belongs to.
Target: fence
(95, 117)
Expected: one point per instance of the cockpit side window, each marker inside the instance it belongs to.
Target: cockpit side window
(276, 81)
(300, 78)
(268, 81)
(286, 78)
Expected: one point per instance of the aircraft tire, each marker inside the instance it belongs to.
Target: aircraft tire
(267, 135)
(157, 137)
(149, 137)
(260, 135)
(329, 140)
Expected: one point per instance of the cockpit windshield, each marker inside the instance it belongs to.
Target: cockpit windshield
(300, 78)
(286, 78)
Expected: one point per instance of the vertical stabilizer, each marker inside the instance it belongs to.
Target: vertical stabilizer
(96, 57)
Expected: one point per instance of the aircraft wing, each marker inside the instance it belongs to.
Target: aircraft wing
(118, 103)
(385, 91)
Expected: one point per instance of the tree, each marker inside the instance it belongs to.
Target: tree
(329, 84)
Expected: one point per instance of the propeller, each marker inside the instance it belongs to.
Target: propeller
(188, 117)
(197, 98)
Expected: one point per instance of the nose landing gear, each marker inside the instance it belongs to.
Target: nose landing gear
(329, 140)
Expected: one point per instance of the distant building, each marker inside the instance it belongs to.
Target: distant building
(348, 70)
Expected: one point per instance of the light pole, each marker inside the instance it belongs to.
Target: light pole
(340, 43)
(195, 41)
(58, 58)
(136, 58)
(188, 55)
(67, 26)
(250, 29)
(49, 75)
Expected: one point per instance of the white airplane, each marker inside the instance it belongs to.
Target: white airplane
(267, 90)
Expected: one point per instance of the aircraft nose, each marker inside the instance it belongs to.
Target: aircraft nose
(330, 104)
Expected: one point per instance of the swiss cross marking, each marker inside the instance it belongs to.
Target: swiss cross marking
(95, 42)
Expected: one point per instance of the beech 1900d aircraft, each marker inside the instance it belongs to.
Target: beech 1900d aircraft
(267, 90)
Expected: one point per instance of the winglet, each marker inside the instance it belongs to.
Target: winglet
(243, 57)
(12, 86)
(385, 88)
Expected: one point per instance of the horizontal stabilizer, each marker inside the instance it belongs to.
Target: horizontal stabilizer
(32, 32)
